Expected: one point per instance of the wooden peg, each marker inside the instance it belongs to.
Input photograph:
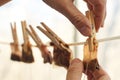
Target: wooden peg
(57, 38)
(53, 39)
(27, 55)
(90, 47)
(33, 37)
(90, 16)
(25, 35)
(16, 54)
(42, 47)
(51, 32)
(16, 38)
(61, 52)
(35, 34)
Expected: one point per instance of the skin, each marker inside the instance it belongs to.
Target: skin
(75, 71)
(68, 9)
(2, 2)
(80, 21)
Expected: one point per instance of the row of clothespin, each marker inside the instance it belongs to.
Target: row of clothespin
(26, 54)
(62, 54)
(61, 51)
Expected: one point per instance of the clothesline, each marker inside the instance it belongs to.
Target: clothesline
(99, 40)
(8, 43)
(73, 44)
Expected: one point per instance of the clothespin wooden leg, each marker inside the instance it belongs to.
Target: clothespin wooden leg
(51, 32)
(53, 39)
(61, 53)
(42, 47)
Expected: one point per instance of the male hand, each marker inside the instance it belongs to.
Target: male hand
(68, 9)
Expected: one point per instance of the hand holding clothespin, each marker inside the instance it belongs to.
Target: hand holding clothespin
(62, 52)
(90, 48)
(46, 54)
(90, 16)
(16, 54)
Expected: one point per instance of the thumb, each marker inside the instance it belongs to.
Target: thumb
(75, 70)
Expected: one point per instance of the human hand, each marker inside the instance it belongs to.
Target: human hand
(99, 9)
(2, 2)
(67, 8)
(75, 71)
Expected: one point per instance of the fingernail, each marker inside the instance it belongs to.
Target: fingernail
(102, 25)
(85, 31)
(75, 70)
(74, 61)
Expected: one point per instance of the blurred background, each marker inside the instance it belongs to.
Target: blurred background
(34, 12)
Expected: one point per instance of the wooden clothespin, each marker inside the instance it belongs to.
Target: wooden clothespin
(46, 54)
(49, 35)
(27, 55)
(16, 54)
(61, 53)
(90, 17)
(90, 48)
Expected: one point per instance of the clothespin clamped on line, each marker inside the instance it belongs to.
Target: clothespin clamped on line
(61, 53)
(46, 54)
(16, 54)
(55, 39)
(90, 47)
(90, 16)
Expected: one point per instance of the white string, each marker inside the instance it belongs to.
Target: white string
(74, 44)
(99, 40)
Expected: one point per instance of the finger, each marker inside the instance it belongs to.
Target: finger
(68, 9)
(99, 9)
(89, 5)
(75, 70)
